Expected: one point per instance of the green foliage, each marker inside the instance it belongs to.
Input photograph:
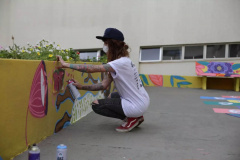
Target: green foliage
(103, 58)
(44, 50)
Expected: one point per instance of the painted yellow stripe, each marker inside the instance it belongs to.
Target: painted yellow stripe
(234, 101)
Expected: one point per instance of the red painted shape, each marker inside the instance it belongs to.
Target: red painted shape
(58, 76)
(38, 100)
(156, 79)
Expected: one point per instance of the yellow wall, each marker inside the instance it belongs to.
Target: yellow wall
(19, 127)
(171, 81)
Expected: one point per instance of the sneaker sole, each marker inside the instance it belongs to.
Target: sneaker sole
(140, 122)
(128, 130)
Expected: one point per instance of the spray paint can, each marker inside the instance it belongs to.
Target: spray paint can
(73, 88)
(61, 152)
(34, 153)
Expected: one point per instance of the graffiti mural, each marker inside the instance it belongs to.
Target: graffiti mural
(58, 76)
(38, 101)
(183, 81)
(81, 106)
(170, 81)
(43, 103)
(63, 122)
(61, 97)
(218, 69)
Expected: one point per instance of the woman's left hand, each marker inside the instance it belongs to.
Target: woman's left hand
(63, 63)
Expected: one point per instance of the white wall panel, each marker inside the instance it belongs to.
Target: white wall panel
(75, 23)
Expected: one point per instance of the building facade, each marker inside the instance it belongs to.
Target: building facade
(166, 37)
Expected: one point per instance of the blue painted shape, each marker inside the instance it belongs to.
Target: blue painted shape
(236, 66)
(179, 83)
(1, 158)
(66, 124)
(234, 115)
(179, 77)
(220, 103)
(219, 98)
(238, 107)
(88, 92)
(203, 63)
(144, 79)
(171, 81)
(142, 82)
(183, 83)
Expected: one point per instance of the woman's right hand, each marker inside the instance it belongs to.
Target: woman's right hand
(63, 63)
(78, 85)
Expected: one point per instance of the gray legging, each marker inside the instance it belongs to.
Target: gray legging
(110, 107)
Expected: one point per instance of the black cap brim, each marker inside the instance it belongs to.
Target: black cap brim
(100, 37)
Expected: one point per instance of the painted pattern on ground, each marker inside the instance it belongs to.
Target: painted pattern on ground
(231, 101)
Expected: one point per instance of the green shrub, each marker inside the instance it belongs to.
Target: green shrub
(44, 50)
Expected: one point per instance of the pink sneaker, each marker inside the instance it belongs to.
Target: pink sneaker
(128, 125)
(140, 119)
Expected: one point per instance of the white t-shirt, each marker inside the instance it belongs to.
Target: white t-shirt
(134, 98)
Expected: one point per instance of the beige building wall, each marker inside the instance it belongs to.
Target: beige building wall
(75, 23)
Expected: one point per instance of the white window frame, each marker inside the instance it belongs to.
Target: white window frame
(215, 58)
(98, 54)
(160, 55)
(199, 59)
(228, 50)
(226, 57)
(174, 60)
(97, 50)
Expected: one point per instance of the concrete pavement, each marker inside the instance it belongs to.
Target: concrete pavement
(177, 126)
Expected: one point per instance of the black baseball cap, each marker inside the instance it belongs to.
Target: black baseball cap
(112, 33)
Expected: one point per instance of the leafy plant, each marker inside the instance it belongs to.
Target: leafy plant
(43, 50)
(103, 58)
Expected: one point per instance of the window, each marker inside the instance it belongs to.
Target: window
(215, 51)
(172, 53)
(193, 52)
(88, 55)
(151, 54)
(234, 50)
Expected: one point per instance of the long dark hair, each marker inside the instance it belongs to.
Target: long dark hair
(117, 49)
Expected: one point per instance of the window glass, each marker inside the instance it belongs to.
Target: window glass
(234, 50)
(215, 51)
(150, 54)
(172, 53)
(193, 52)
(88, 55)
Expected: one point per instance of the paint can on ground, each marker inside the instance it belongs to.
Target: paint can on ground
(34, 153)
(61, 152)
